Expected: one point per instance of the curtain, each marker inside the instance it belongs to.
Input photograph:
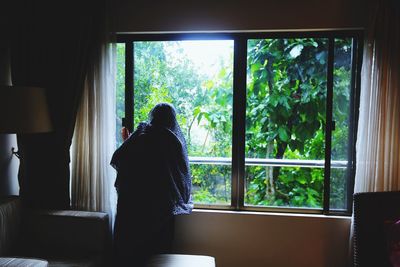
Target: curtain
(51, 48)
(378, 146)
(94, 138)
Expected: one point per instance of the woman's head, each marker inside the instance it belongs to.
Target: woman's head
(163, 114)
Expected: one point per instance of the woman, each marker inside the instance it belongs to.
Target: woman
(153, 184)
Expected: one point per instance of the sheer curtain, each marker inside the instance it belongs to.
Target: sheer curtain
(378, 146)
(93, 143)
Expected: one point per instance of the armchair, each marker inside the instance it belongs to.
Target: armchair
(52, 238)
(375, 214)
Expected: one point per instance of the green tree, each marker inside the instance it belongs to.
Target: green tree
(164, 74)
(285, 115)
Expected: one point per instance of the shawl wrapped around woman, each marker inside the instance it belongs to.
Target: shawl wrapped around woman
(153, 167)
(153, 184)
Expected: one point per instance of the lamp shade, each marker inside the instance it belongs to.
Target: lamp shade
(23, 110)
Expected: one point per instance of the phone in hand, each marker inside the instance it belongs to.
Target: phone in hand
(124, 133)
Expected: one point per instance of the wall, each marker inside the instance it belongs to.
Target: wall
(252, 239)
(208, 15)
(259, 239)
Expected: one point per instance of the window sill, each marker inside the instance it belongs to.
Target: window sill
(268, 213)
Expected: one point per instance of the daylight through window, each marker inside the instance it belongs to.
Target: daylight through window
(268, 118)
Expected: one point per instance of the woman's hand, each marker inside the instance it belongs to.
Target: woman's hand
(124, 133)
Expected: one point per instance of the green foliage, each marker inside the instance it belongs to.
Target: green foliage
(285, 115)
(286, 111)
(163, 73)
(211, 183)
(286, 118)
(120, 92)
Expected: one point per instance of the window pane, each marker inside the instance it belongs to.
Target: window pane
(211, 183)
(196, 77)
(288, 180)
(120, 91)
(285, 120)
(341, 117)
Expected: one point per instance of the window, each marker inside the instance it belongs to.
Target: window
(269, 118)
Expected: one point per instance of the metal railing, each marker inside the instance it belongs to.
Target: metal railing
(269, 162)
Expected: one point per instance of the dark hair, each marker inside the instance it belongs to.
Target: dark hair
(164, 115)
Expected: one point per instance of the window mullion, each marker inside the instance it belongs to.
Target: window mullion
(128, 121)
(239, 121)
(328, 127)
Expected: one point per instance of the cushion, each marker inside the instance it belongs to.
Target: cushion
(177, 260)
(22, 262)
(83, 233)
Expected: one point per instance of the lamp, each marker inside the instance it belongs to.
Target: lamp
(23, 110)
